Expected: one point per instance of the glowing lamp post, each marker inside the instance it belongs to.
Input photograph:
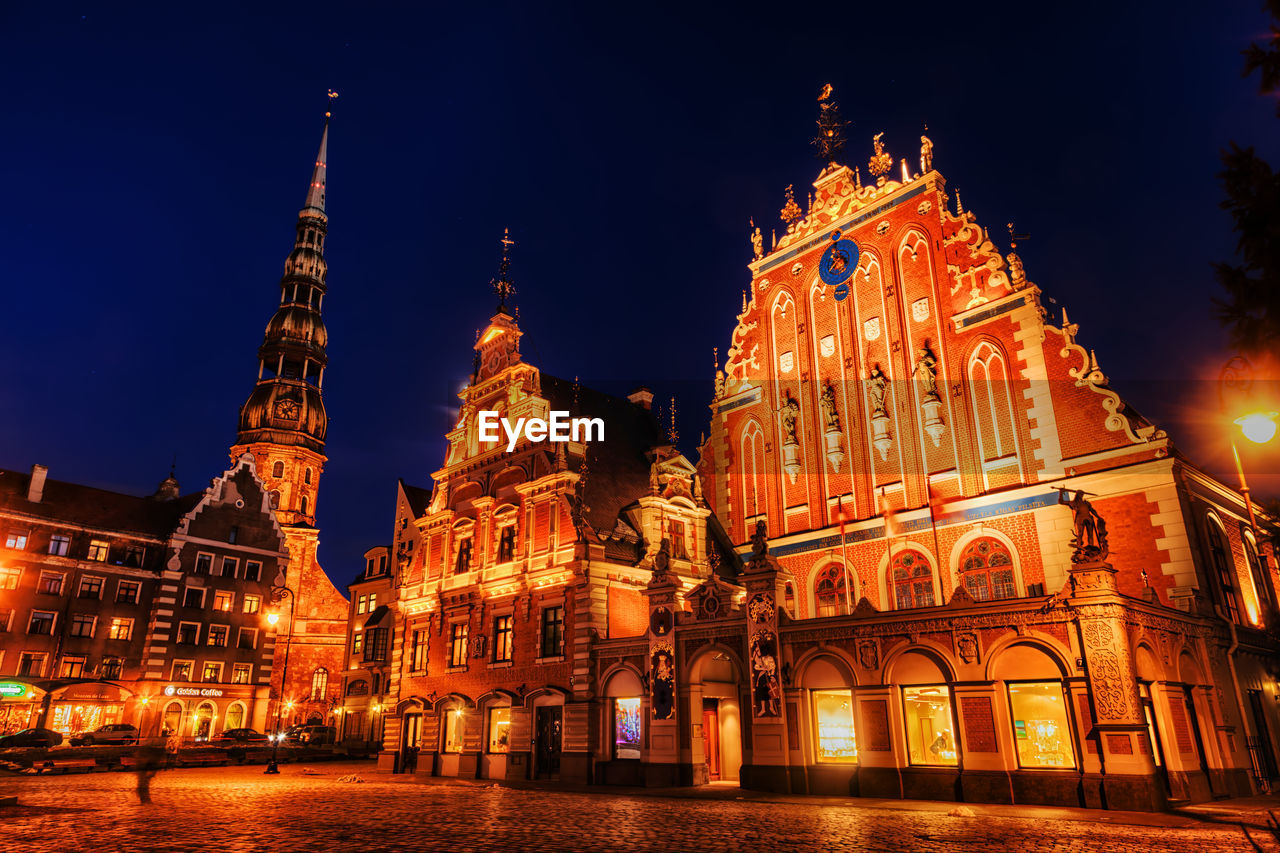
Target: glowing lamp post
(278, 594)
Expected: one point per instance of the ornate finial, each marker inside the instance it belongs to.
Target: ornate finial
(857, 178)
(959, 206)
(673, 437)
(715, 357)
(775, 238)
(744, 302)
(332, 95)
(880, 163)
(1017, 276)
(502, 285)
(790, 212)
(830, 138)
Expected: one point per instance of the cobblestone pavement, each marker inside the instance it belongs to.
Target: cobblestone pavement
(238, 809)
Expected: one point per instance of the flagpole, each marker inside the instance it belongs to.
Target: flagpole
(844, 559)
(928, 490)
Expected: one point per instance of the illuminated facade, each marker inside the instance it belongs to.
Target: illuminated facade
(141, 610)
(898, 410)
(283, 424)
(516, 566)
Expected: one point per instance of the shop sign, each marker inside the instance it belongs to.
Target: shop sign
(213, 692)
(11, 689)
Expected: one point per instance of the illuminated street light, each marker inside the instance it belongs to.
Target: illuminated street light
(1259, 427)
(278, 594)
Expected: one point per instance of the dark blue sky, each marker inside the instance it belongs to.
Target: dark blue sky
(153, 162)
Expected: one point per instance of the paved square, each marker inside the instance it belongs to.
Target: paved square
(234, 809)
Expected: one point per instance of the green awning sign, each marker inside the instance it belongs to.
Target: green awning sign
(9, 689)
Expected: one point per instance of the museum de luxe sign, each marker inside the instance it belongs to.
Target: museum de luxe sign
(171, 690)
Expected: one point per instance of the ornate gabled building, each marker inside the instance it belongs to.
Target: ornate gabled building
(929, 613)
(283, 425)
(520, 563)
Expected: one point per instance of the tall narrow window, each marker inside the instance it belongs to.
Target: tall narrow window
(831, 591)
(992, 402)
(507, 544)
(458, 644)
(1040, 728)
(833, 719)
(418, 651)
(277, 470)
(1224, 569)
(753, 472)
(463, 563)
(911, 578)
(678, 545)
(1258, 573)
(987, 569)
(552, 631)
(502, 638)
(319, 681)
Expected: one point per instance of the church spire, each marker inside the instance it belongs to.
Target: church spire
(285, 407)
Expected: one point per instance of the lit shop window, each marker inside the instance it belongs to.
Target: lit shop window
(499, 729)
(833, 713)
(1040, 727)
(931, 733)
(453, 730)
(626, 727)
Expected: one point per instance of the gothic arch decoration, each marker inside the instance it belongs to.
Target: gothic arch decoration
(833, 589)
(789, 366)
(708, 652)
(751, 445)
(909, 578)
(1001, 652)
(985, 563)
(411, 703)
(453, 700)
(991, 399)
(547, 694)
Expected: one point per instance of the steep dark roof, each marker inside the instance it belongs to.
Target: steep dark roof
(617, 468)
(96, 508)
(419, 499)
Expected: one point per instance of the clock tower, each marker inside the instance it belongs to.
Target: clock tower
(283, 424)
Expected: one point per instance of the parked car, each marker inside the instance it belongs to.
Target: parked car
(30, 737)
(115, 733)
(311, 735)
(245, 736)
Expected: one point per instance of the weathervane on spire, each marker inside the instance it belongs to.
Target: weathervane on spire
(332, 95)
(830, 138)
(502, 284)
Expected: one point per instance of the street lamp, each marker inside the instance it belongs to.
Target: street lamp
(278, 594)
(1259, 427)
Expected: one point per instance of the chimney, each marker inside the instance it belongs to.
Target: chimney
(642, 397)
(35, 490)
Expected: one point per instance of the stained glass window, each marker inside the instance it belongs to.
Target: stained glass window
(912, 580)
(986, 568)
(626, 727)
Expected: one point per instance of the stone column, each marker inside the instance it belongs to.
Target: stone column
(766, 767)
(1128, 772)
(661, 757)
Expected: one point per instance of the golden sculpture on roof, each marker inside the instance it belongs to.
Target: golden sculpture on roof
(791, 213)
(880, 162)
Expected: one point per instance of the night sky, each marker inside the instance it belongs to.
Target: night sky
(153, 162)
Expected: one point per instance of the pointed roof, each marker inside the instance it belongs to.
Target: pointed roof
(315, 192)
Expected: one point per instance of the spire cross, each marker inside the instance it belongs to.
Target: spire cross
(502, 284)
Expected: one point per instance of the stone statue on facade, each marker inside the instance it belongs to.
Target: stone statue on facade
(877, 388)
(757, 242)
(760, 541)
(662, 560)
(927, 372)
(790, 411)
(926, 154)
(830, 417)
(1090, 540)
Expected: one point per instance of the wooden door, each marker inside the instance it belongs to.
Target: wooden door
(547, 761)
(711, 737)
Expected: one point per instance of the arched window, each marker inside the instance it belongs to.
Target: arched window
(234, 718)
(992, 402)
(277, 470)
(831, 591)
(275, 498)
(753, 474)
(1223, 567)
(172, 719)
(306, 477)
(463, 563)
(359, 687)
(911, 579)
(1259, 575)
(986, 568)
(304, 504)
(319, 683)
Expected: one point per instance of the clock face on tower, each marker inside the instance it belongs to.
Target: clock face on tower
(287, 410)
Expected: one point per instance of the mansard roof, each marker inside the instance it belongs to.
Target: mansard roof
(86, 506)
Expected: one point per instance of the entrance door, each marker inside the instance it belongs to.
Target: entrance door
(1266, 756)
(547, 748)
(711, 737)
(409, 750)
(1153, 735)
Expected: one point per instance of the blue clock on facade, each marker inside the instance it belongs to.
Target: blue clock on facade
(838, 263)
